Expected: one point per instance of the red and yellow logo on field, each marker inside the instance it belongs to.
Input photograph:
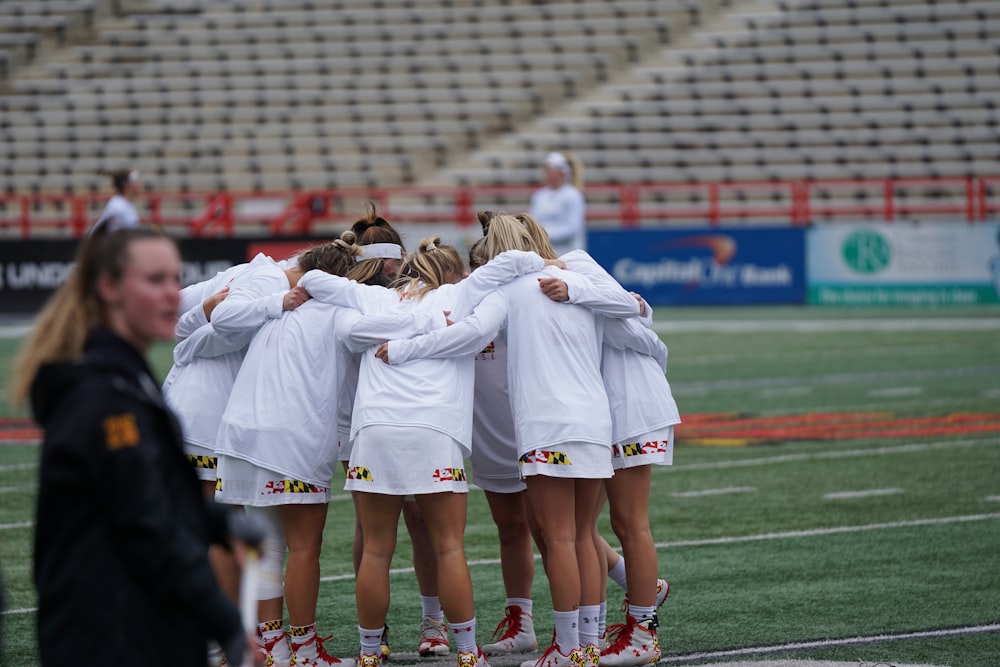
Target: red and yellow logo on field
(733, 430)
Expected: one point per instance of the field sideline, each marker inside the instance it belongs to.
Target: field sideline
(843, 503)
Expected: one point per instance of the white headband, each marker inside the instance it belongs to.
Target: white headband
(381, 250)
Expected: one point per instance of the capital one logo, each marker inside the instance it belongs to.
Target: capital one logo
(866, 251)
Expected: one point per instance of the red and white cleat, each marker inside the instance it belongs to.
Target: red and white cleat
(514, 634)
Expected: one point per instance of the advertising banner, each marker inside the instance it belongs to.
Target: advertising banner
(699, 266)
(31, 270)
(932, 264)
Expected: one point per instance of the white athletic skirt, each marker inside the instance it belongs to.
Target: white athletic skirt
(581, 460)
(243, 483)
(655, 448)
(203, 459)
(405, 460)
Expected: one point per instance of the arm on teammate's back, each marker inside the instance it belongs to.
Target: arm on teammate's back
(250, 305)
(500, 270)
(631, 335)
(466, 337)
(371, 330)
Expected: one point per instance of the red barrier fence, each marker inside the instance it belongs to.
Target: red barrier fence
(206, 214)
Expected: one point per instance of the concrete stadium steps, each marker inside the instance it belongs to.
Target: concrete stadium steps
(785, 90)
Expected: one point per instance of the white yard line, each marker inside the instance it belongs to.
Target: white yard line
(836, 454)
(816, 532)
(831, 643)
(828, 325)
(25, 610)
(715, 492)
(992, 499)
(18, 466)
(896, 392)
(739, 539)
(869, 493)
(15, 526)
(16, 489)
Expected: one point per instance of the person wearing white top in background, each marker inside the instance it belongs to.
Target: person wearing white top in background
(561, 416)
(559, 206)
(120, 211)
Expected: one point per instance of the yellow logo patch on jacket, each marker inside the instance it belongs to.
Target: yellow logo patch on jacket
(121, 431)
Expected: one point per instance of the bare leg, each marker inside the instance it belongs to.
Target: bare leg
(304, 536)
(628, 493)
(379, 519)
(444, 516)
(424, 563)
(517, 562)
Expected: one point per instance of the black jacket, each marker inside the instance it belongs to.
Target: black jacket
(122, 530)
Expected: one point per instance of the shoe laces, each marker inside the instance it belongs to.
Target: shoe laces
(509, 626)
(619, 635)
(320, 649)
(369, 660)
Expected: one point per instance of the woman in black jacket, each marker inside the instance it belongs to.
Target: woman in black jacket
(122, 529)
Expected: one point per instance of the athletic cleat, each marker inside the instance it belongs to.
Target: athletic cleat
(470, 659)
(514, 634)
(662, 591)
(386, 651)
(274, 652)
(369, 660)
(311, 653)
(433, 638)
(631, 644)
(592, 653)
(553, 658)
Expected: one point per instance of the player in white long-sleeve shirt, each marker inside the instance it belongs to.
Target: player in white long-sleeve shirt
(411, 429)
(633, 363)
(563, 434)
(258, 300)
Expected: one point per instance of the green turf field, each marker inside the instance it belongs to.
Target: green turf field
(788, 548)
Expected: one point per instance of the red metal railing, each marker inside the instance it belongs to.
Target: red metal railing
(204, 214)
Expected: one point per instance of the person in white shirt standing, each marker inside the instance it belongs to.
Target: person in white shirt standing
(120, 211)
(559, 206)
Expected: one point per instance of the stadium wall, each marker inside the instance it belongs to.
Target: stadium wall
(834, 264)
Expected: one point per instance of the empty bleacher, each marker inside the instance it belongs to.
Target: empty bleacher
(270, 95)
(279, 94)
(815, 89)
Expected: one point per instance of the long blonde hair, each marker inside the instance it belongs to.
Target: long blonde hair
(61, 328)
(506, 233)
(539, 237)
(575, 170)
(428, 268)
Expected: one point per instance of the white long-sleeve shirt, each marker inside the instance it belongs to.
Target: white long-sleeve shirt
(553, 368)
(254, 298)
(563, 214)
(205, 362)
(434, 394)
(633, 365)
(281, 414)
(633, 361)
